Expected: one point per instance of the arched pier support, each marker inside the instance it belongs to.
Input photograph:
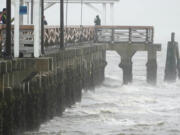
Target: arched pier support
(126, 63)
(127, 51)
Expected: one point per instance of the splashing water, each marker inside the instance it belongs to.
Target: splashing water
(113, 109)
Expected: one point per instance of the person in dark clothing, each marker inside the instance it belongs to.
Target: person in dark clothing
(0, 17)
(4, 16)
(97, 20)
(45, 22)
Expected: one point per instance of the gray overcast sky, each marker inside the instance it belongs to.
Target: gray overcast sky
(164, 15)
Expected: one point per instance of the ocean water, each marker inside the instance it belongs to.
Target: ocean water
(115, 109)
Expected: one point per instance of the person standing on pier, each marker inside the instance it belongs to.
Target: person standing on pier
(4, 16)
(0, 17)
(45, 22)
(97, 20)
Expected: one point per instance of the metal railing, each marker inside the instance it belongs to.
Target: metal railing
(124, 34)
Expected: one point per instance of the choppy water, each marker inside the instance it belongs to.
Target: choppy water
(113, 109)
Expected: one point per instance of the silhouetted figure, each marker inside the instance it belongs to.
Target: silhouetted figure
(4, 16)
(97, 20)
(45, 22)
(1, 17)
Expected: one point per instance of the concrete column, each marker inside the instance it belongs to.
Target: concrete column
(104, 13)
(112, 13)
(37, 28)
(126, 65)
(16, 29)
(21, 21)
(152, 66)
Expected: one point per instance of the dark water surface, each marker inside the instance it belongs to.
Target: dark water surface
(113, 109)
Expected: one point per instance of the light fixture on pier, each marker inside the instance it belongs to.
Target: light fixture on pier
(61, 24)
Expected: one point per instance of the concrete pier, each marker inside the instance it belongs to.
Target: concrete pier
(33, 91)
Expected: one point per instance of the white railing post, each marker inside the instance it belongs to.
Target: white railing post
(16, 29)
(104, 13)
(112, 13)
(28, 12)
(21, 21)
(37, 28)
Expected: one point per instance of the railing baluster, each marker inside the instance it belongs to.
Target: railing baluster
(147, 35)
(130, 35)
(112, 36)
(152, 38)
(95, 35)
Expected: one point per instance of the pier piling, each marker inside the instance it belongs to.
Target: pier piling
(126, 65)
(172, 60)
(152, 66)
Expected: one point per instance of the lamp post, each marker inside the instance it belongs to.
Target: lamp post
(81, 12)
(32, 5)
(16, 28)
(62, 24)
(37, 28)
(8, 29)
(42, 26)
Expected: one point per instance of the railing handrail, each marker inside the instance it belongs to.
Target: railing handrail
(3, 26)
(121, 34)
(22, 27)
(31, 27)
(124, 27)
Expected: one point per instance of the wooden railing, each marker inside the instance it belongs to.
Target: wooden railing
(72, 34)
(124, 34)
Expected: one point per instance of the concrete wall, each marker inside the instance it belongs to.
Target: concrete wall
(34, 90)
